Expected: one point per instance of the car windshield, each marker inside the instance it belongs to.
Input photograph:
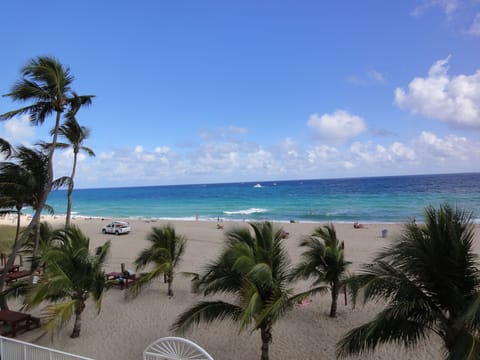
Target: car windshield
(120, 225)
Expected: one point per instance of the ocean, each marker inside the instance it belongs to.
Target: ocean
(367, 200)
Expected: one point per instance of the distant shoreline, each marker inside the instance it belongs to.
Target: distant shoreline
(368, 200)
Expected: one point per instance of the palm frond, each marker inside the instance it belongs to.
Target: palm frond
(57, 315)
(205, 311)
(387, 327)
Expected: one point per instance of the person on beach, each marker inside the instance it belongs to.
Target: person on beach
(303, 302)
(357, 225)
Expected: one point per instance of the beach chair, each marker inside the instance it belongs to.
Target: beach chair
(14, 276)
(170, 348)
(121, 279)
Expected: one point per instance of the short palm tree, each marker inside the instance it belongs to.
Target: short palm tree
(324, 260)
(75, 135)
(34, 256)
(429, 279)
(23, 181)
(72, 275)
(165, 253)
(47, 84)
(254, 269)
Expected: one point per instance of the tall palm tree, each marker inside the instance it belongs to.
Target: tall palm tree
(165, 253)
(46, 83)
(429, 279)
(324, 261)
(254, 269)
(75, 135)
(72, 275)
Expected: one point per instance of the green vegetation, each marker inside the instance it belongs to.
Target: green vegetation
(72, 275)
(45, 85)
(430, 281)
(7, 237)
(254, 269)
(324, 261)
(165, 253)
(75, 134)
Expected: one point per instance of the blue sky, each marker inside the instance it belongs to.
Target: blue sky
(224, 91)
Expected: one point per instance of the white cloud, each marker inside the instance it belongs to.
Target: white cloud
(162, 149)
(321, 153)
(447, 6)
(370, 78)
(450, 147)
(376, 76)
(222, 133)
(402, 151)
(338, 127)
(233, 160)
(475, 26)
(18, 130)
(376, 155)
(455, 100)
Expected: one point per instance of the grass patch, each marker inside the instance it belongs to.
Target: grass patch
(7, 236)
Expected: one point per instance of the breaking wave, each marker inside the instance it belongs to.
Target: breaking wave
(246, 212)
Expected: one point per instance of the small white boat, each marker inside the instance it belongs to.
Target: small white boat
(257, 186)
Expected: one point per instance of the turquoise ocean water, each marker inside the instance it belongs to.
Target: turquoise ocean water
(374, 199)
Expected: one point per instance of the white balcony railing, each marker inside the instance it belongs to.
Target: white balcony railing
(12, 349)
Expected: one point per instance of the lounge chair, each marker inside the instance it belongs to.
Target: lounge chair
(121, 279)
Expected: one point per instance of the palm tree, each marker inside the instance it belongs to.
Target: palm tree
(22, 182)
(75, 135)
(14, 191)
(254, 269)
(46, 83)
(325, 261)
(34, 255)
(72, 274)
(429, 279)
(165, 253)
(6, 148)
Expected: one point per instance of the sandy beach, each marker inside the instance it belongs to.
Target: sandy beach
(125, 327)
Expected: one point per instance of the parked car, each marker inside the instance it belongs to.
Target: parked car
(117, 228)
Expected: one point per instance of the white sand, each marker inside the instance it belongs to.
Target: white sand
(124, 328)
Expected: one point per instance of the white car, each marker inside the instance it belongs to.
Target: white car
(117, 228)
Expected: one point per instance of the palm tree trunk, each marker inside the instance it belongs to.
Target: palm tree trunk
(17, 231)
(48, 185)
(335, 290)
(78, 321)
(266, 333)
(70, 190)
(37, 236)
(169, 285)
(69, 203)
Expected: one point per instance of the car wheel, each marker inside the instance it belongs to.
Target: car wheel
(117, 233)
(104, 231)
